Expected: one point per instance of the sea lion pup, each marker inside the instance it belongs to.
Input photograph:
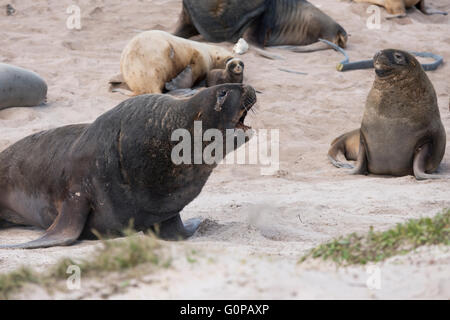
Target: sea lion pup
(154, 58)
(296, 24)
(20, 87)
(233, 73)
(397, 8)
(401, 131)
(121, 168)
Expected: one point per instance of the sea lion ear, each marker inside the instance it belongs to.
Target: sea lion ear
(221, 98)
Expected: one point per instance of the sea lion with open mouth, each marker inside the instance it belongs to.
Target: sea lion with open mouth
(100, 176)
(401, 131)
(296, 25)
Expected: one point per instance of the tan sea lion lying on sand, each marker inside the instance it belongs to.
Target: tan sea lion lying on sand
(401, 132)
(154, 58)
(397, 8)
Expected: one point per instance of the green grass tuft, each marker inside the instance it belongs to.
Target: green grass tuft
(14, 280)
(115, 256)
(378, 246)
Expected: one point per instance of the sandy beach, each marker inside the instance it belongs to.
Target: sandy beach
(258, 226)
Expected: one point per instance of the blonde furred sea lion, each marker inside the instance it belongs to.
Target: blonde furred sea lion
(154, 58)
(397, 8)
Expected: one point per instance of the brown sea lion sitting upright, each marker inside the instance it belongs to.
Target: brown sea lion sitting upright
(233, 73)
(401, 131)
(123, 167)
(397, 8)
(296, 24)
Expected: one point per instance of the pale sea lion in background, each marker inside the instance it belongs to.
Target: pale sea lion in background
(296, 25)
(153, 58)
(397, 8)
(118, 169)
(233, 73)
(20, 87)
(401, 131)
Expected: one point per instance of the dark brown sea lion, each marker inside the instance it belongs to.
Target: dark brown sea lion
(295, 23)
(397, 8)
(401, 132)
(120, 168)
(233, 73)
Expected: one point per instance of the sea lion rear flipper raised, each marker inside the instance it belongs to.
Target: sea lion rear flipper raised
(66, 228)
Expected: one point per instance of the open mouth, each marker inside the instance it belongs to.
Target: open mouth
(249, 102)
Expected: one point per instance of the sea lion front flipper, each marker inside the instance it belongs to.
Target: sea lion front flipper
(395, 16)
(174, 229)
(420, 161)
(66, 228)
(185, 27)
(184, 80)
(361, 161)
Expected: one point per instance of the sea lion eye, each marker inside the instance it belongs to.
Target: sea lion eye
(221, 97)
(398, 57)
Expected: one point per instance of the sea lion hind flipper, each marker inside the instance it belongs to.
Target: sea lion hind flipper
(175, 229)
(66, 228)
(347, 144)
(316, 46)
(184, 80)
(118, 84)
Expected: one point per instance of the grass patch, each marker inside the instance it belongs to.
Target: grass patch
(115, 256)
(378, 246)
(9, 282)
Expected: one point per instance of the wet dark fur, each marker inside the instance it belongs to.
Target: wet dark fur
(266, 22)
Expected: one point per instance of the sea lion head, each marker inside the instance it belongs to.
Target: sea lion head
(235, 66)
(224, 106)
(392, 63)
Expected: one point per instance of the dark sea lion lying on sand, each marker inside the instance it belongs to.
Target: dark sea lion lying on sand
(296, 24)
